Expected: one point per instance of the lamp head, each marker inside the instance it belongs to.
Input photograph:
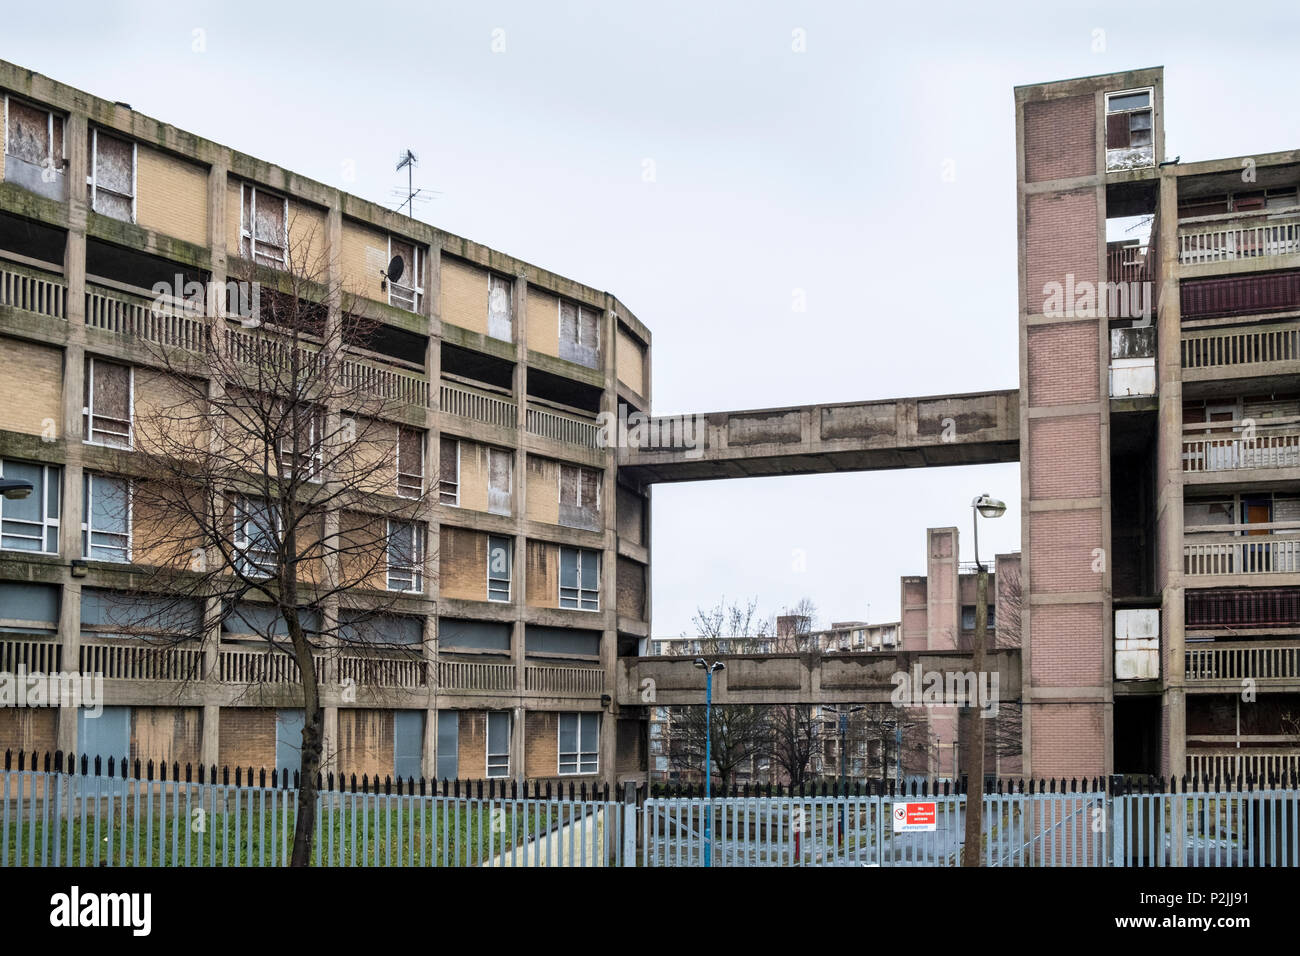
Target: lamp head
(989, 507)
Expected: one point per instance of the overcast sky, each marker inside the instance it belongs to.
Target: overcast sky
(692, 160)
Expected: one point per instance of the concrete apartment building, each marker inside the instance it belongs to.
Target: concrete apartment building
(1159, 440)
(1157, 426)
(533, 560)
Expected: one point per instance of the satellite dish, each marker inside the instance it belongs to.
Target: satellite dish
(395, 269)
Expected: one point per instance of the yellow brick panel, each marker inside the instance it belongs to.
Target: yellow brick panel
(543, 490)
(630, 358)
(462, 560)
(308, 241)
(472, 746)
(363, 255)
(365, 742)
(172, 196)
(165, 735)
(543, 322)
(37, 406)
(541, 744)
(464, 295)
(543, 574)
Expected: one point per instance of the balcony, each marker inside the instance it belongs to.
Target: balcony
(561, 427)
(121, 313)
(1271, 446)
(33, 290)
(33, 656)
(1242, 608)
(557, 681)
(1238, 236)
(248, 666)
(1231, 763)
(1241, 351)
(1255, 294)
(1253, 553)
(383, 670)
(477, 405)
(131, 660)
(1231, 662)
(475, 676)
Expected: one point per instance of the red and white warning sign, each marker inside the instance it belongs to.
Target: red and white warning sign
(913, 816)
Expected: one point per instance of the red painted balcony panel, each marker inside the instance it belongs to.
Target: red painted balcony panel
(1241, 295)
(1242, 607)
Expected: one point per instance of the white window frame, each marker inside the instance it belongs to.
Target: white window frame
(397, 462)
(578, 770)
(577, 324)
(248, 565)
(559, 491)
(88, 507)
(92, 180)
(509, 579)
(315, 441)
(417, 291)
(488, 755)
(415, 570)
(581, 587)
(88, 410)
(441, 490)
(49, 135)
(247, 230)
(1151, 106)
(51, 475)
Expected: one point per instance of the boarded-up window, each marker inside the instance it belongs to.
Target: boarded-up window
(406, 291)
(449, 472)
(579, 334)
(500, 466)
(264, 219)
(410, 462)
(500, 323)
(580, 497)
(34, 135)
(107, 411)
(112, 176)
(1129, 129)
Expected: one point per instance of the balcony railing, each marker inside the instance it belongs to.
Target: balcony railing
(34, 657)
(1238, 608)
(1228, 763)
(1230, 238)
(558, 681)
(1254, 345)
(1210, 554)
(472, 675)
(33, 291)
(172, 326)
(1250, 294)
(1241, 660)
(382, 671)
(478, 406)
(240, 666)
(1271, 446)
(125, 660)
(565, 428)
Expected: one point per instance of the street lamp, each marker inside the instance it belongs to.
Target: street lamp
(988, 507)
(708, 669)
(844, 727)
(15, 488)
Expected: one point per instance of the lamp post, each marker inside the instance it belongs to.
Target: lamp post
(708, 669)
(844, 729)
(15, 488)
(987, 507)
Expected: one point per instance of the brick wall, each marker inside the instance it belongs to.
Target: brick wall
(543, 496)
(543, 574)
(629, 358)
(1067, 649)
(1063, 543)
(28, 729)
(365, 742)
(172, 196)
(543, 322)
(363, 255)
(1063, 364)
(166, 734)
(1060, 138)
(1068, 739)
(1060, 240)
(1066, 456)
(40, 369)
(472, 744)
(630, 516)
(541, 744)
(464, 295)
(463, 564)
(631, 589)
(246, 737)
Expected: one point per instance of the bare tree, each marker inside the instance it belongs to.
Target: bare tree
(797, 736)
(273, 488)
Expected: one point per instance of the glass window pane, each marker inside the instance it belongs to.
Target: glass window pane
(1128, 101)
(568, 568)
(568, 733)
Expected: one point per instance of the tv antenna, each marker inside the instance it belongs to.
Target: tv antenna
(408, 161)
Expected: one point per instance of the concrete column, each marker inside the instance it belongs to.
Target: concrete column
(210, 736)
